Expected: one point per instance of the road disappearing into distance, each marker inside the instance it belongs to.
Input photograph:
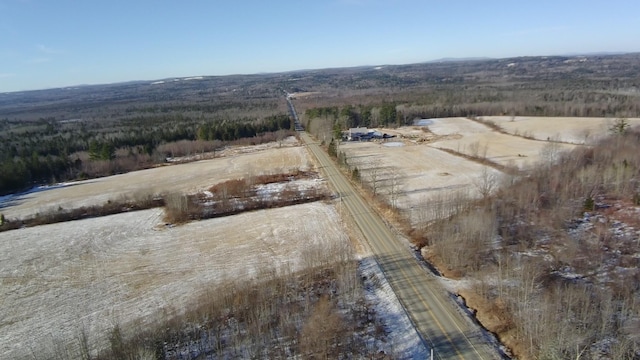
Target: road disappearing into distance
(440, 322)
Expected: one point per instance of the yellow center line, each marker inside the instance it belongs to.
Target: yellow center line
(381, 239)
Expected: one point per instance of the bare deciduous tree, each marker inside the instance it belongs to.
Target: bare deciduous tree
(486, 183)
(394, 186)
(550, 152)
(374, 172)
(321, 331)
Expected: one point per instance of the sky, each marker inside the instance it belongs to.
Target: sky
(60, 43)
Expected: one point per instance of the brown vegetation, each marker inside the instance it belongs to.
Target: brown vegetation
(140, 201)
(317, 313)
(239, 195)
(552, 280)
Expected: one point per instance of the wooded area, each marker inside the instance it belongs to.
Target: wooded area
(66, 138)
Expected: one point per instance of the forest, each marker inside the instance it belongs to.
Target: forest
(57, 135)
(48, 138)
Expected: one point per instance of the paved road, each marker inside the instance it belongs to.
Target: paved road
(439, 321)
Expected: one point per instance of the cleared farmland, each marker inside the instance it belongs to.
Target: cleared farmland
(122, 269)
(184, 178)
(480, 141)
(568, 129)
(424, 172)
(91, 275)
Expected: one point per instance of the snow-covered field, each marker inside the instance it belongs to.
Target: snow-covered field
(426, 172)
(479, 140)
(123, 269)
(576, 130)
(423, 172)
(186, 178)
(63, 281)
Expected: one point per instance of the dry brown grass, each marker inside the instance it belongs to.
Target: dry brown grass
(239, 195)
(139, 201)
(534, 309)
(314, 313)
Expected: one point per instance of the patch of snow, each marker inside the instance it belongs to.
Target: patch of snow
(393, 144)
(92, 273)
(274, 189)
(423, 122)
(193, 78)
(6, 200)
(404, 341)
(157, 82)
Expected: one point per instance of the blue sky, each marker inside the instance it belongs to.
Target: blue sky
(57, 43)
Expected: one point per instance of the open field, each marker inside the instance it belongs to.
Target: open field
(184, 178)
(422, 171)
(425, 172)
(576, 130)
(62, 282)
(122, 269)
(480, 141)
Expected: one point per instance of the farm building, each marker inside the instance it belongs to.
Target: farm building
(364, 134)
(357, 133)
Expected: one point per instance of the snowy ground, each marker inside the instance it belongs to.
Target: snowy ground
(60, 280)
(425, 172)
(93, 274)
(404, 341)
(185, 178)
(569, 129)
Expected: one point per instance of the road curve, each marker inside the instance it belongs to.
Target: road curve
(440, 322)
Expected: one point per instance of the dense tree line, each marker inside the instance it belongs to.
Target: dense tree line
(228, 131)
(50, 151)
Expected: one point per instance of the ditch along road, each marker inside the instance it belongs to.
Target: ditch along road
(440, 322)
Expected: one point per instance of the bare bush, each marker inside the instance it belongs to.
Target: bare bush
(464, 244)
(486, 183)
(180, 208)
(138, 201)
(238, 195)
(322, 332)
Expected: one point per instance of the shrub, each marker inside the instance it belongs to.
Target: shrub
(180, 208)
(589, 204)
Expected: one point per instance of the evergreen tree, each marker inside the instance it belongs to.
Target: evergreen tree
(94, 150)
(107, 151)
(355, 174)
